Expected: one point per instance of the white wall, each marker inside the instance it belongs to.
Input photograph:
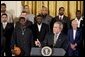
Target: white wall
(14, 7)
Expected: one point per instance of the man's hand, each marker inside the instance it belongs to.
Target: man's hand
(37, 43)
(73, 46)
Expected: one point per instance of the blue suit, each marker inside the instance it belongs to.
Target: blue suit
(77, 40)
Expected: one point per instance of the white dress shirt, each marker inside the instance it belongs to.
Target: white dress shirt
(39, 27)
(61, 16)
(74, 34)
(79, 21)
(4, 24)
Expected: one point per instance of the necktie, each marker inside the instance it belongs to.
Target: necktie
(55, 39)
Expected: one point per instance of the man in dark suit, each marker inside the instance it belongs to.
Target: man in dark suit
(80, 19)
(56, 39)
(21, 42)
(7, 30)
(39, 29)
(61, 17)
(74, 39)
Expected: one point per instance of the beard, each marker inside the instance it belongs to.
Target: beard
(61, 13)
(44, 15)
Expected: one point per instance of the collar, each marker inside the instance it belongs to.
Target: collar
(79, 19)
(39, 24)
(57, 33)
(4, 22)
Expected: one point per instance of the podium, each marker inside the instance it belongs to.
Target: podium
(55, 52)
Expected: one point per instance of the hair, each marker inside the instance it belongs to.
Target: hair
(21, 18)
(39, 16)
(61, 8)
(3, 4)
(74, 21)
(4, 14)
(25, 6)
(60, 24)
(23, 12)
(36, 17)
(78, 11)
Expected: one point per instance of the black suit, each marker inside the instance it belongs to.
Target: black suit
(65, 21)
(40, 35)
(60, 43)
(7, 34)
(2, 42)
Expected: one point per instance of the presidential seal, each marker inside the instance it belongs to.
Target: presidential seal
(46, 51)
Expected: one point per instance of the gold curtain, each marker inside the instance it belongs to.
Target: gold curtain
(53, 7)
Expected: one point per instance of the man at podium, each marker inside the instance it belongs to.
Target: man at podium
(55, 39)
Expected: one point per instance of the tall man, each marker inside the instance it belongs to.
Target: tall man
(29, 16)
(46, 18)
(7, 30)
(79, 19)
(3, 11)
(40, 29)
(61, 17)
(56, 39)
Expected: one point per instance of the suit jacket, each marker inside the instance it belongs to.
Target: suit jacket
(3, 40)
(7, 32)
(40, 35)
(6, 35)
(23, 41)
(66, 22)
(60, 43)
(78, 37)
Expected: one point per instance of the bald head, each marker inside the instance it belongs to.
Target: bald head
(44, 10)
(74, 24)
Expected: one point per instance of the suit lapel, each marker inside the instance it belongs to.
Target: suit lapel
(5, 27)
(52, 39)
(72, 36)
(42, 27)
(76, 35)
(59, 38)
(36, 28)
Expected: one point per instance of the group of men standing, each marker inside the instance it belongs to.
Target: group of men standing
(39, 31)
